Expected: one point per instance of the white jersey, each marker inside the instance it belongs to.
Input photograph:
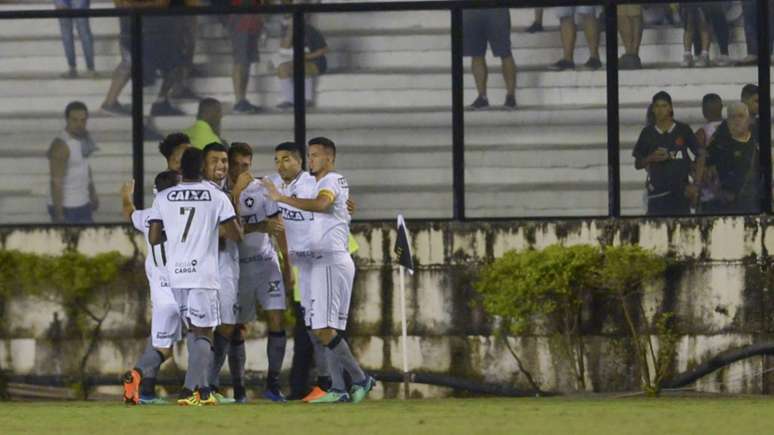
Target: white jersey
(254, 208)
(228, 257)
(297, 222)
(191, 213)
(156, 257)
(330, 230)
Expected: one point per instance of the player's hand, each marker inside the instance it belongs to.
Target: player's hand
(271, 190)
(659, 155)
(127, 189)
(242, 182)
(351, 206)
(275, 226)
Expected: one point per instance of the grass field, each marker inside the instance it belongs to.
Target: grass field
(444, 416)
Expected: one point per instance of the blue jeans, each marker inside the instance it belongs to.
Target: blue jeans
(750, 10)
(84, 31)
(75, 215)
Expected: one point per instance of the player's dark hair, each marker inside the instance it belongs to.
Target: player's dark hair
(213, 147)
(290, 147)
(239, 149)
(191, 164)
(171, 142)
(207, 105)
(749, 90)
(165, 180)
(75, 105)
(325, 143)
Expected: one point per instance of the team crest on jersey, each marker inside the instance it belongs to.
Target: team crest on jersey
(189, 195)
(274, 287)
(249, 202)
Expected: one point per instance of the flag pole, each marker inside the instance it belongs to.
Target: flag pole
(404, 334)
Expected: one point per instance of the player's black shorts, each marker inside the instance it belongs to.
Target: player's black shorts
(483, 26)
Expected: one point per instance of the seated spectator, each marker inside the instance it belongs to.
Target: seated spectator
(68, 40)
(732, 157)
(630, 29)
(492, 26)
(206, 129)
(568, 30)
(315, 49)
(72, 197)
(667, 149)
(712, 108)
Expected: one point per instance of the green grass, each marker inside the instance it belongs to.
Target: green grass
(443, 416)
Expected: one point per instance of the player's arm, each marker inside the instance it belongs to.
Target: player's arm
(127, 206)
(282, 245)
(57, 162)
(268, 226)
(231, 229)
(320, 204)
(155, 232)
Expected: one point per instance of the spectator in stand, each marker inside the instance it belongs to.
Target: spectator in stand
(123, 71)
(72, 198)
(244, 31)
(537, 24)
(750, 12)
(694, 22)
(712, 109)
(630, 30)
(568, 30)
(492, 26)
(206, 129)
(750, 99)
(68, 40)
(733, 157)
(666, 150)
(715, 15)
(315, 49)
(182, 88)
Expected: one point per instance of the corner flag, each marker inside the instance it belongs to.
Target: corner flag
(403, 246)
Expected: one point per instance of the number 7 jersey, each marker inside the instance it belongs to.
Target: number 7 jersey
(191, 214)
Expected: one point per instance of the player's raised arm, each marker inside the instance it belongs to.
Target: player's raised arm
(322, 203)
(127, 206)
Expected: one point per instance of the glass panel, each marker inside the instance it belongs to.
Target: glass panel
(691, 80)
(41, 149)
(385, 100)
(548, 157)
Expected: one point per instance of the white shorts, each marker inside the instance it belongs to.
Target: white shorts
(227, 298)
(200, 307)
(331, 285)
(166, 321)
(260, 283)
(569, 11)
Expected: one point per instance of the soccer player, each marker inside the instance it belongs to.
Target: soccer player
(333, 271)
(166, 323)
(215, 171)
(261, 280)
(172, 148)
(191, 214)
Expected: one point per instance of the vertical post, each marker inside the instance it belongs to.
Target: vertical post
(764, 94)
(458, 117)
(138, 168)
(299, 75)
(404, 332)
(613, 129)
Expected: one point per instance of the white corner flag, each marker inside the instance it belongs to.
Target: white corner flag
(405, 261)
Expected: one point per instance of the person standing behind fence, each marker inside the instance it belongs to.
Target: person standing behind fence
(68, 40)
(492, 26)
(666, 149)
(72, 196)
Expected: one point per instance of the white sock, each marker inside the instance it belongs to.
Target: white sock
(308, 89)
(286, 89)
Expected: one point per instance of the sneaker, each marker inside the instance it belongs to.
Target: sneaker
(750, 59)
(535, 27)
(316, 393)
(165, 108)
(189, 400)
(116, 109)
(244, 106)
(593, 64)
(240, 395)
(481, 103)
(561, 65)
(722, 60)
(209, 400)
(221, 399)
(510, 102)
(332, 397)
(69, 74)
(91, 74)
(687, 60)
(152, 401)
(131, 381)
(703, 61)
(629, 62)
(360, 391)
(285, 105)
(275, 395)
(240, 400)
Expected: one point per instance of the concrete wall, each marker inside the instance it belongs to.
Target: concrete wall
(719, 294)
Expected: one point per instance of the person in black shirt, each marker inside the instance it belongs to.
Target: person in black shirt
(667, 149)
(732, 157)
(315, 49)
